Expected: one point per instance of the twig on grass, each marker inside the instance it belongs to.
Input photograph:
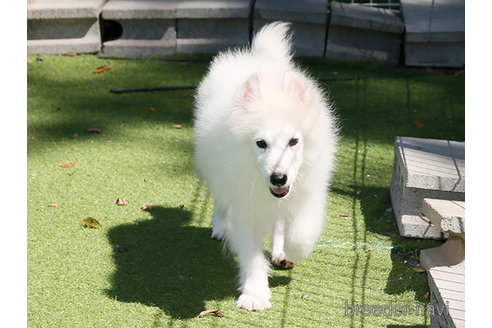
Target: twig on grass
(170, 88)
(336, 79)
(178, 60)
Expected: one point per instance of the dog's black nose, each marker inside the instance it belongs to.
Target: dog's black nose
(278, 179)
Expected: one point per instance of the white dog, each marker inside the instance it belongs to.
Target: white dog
(265, 142)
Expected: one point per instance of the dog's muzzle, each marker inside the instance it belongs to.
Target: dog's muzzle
(279, 180)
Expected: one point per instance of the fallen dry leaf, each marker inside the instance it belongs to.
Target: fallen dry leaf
(147, 207)
(101, 69)
(215, 312)
(418, 123)
(89, 174)
(66, 164)
(121, 201)
(91, 223)
(42, 206)
(418, 269)
(94, 130)
(426, 296)
(53, 205)
(177, 126)
(151, 109)
(29, 60)
(70, 54)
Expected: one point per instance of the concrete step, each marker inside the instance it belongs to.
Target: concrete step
(447, 289)
(147, 27)
(445, 267)
(150, 26)
(307, 18)
(434, 28)
(425, 168)
(435, 32)
(60, 26)
(209, 26)
(364, 33)
(447, 215)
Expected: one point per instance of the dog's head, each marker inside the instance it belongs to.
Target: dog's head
(273, 117)
(279, 155)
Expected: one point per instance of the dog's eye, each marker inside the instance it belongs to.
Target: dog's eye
(261, 144)
(293, 142)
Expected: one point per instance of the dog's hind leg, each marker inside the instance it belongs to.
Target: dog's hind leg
(278, 237)
(220, 222)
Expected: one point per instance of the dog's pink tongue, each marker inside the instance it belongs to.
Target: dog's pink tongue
(280, 190)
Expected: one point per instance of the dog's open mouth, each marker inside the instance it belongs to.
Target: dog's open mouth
(280, 192)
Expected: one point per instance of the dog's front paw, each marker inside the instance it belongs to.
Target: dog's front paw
(218, 233)
(282, 261)
(219, 225)
(253, 302)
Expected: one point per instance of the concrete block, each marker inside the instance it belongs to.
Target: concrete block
(63, 9)
(447, 291)
(211, 35)
(307, 18)
(213, 9)
(212, 25)
(364, 33)
(139, 9)
(435, 32)
(88, 43)
(432, 164)
(448, 215)
(425, 168)
(435, 54)
(309, 11)
(366, 18)
(147, 27)
(60, 26)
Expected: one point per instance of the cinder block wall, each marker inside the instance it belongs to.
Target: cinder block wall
(320, 28)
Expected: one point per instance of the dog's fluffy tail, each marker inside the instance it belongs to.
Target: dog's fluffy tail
(273, 40)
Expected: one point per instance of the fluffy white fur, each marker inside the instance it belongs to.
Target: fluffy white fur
(258, 115)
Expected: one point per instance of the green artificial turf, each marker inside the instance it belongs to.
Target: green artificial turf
(172, 269)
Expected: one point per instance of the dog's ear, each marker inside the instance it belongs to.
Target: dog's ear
(294, 85)
(251, 90)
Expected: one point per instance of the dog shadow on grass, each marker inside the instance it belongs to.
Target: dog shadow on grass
(170, 265)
